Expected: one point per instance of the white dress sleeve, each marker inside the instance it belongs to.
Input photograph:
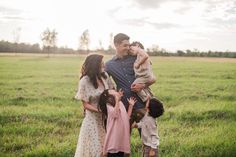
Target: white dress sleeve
(83, 93)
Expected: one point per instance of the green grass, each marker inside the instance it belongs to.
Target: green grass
(39, 117)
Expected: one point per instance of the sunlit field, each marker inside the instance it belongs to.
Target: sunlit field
(39, 116)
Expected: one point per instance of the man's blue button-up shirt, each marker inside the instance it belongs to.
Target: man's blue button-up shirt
(122, 72)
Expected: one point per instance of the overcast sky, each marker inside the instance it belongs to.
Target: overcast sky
(171, 24)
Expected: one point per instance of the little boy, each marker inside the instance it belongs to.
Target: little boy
(148, 125)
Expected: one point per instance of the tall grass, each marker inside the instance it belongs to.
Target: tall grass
(39, 117)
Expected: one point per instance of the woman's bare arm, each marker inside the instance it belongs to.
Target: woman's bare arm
(90, 107)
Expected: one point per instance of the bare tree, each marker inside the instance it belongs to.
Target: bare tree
(111, 47)
(84, 40)
(49, 39)
(16, 37)
(110, 41)
(100, 45)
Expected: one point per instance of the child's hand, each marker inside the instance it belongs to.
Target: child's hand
(116, 94)
(132, 101)
(117, 97)
(152, 152)
(134, 125)
(121, 92)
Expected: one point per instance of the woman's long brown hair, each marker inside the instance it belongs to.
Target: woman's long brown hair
(92, 68)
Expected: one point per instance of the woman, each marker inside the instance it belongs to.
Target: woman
(93, 82)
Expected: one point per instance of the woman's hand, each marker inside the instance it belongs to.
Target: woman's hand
(88, 106)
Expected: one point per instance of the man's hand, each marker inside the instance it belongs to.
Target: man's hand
(136, 65)
(137, 87)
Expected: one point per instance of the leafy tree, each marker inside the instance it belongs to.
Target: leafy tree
(180, 53)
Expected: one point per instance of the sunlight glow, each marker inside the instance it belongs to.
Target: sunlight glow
(170, 25)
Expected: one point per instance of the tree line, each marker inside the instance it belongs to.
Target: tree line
(192, 53)
(49, 39)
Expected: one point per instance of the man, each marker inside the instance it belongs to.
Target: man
(120, 68)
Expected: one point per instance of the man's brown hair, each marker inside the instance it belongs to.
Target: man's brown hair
(118, 38)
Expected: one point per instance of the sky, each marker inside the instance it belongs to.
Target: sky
(169, 24)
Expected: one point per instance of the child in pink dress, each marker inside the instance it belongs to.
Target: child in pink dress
(116, 123)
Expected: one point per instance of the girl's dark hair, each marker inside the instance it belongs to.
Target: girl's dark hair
(105, 98)
(92, 68)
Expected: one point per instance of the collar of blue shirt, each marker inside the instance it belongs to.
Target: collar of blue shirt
(116, 57)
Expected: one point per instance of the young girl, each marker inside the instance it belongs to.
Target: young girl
(116, 123)
(142, 69)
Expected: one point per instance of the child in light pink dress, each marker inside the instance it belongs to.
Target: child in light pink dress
(116, 123)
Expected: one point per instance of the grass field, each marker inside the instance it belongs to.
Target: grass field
(39, 117)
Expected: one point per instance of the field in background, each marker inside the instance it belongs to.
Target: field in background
(39, 117)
